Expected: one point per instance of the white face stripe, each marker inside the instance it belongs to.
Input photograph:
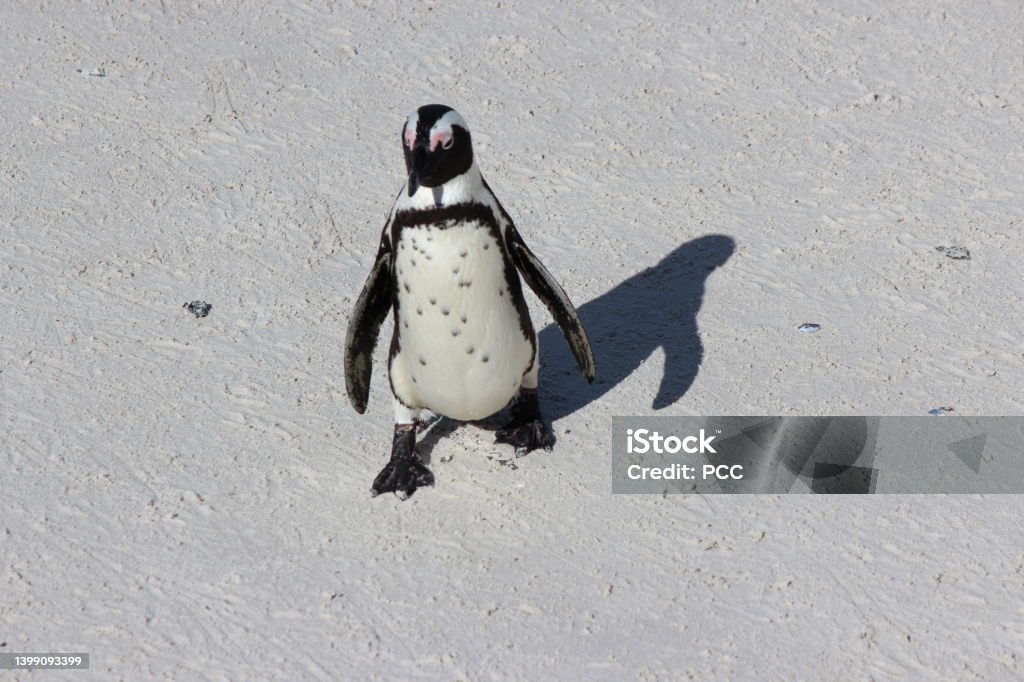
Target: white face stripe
(445, 123)
(409, 133)
(441, 132)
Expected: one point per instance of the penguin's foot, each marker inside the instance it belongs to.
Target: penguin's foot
(406, 471)
(526, 430)
(525, 436)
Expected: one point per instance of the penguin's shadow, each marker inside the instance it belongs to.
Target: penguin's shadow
(655, 308)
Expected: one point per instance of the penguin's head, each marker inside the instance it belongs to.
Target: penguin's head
(437, 146)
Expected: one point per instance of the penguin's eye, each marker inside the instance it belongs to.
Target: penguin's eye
(447, 143)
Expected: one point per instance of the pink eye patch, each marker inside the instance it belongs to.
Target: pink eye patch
(443, 138)
(410, 136)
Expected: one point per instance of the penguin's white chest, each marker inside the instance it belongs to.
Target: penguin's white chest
(462, 347)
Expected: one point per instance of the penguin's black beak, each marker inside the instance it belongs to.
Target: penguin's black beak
(419, 161)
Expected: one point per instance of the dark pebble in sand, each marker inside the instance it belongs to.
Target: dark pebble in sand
(198, 308)
(954, 252)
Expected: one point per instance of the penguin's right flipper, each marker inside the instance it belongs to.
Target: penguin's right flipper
(364, 326)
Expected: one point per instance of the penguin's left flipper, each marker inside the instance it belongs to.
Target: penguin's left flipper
(364, 327)
(526, 429)
(555, 299)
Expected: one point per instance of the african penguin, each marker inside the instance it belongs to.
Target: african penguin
(448, 265)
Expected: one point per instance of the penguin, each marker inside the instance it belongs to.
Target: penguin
(448, 267)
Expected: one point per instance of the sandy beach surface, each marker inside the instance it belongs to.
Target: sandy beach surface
(188, 498)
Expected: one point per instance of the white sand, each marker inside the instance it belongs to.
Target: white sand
(190, 498)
